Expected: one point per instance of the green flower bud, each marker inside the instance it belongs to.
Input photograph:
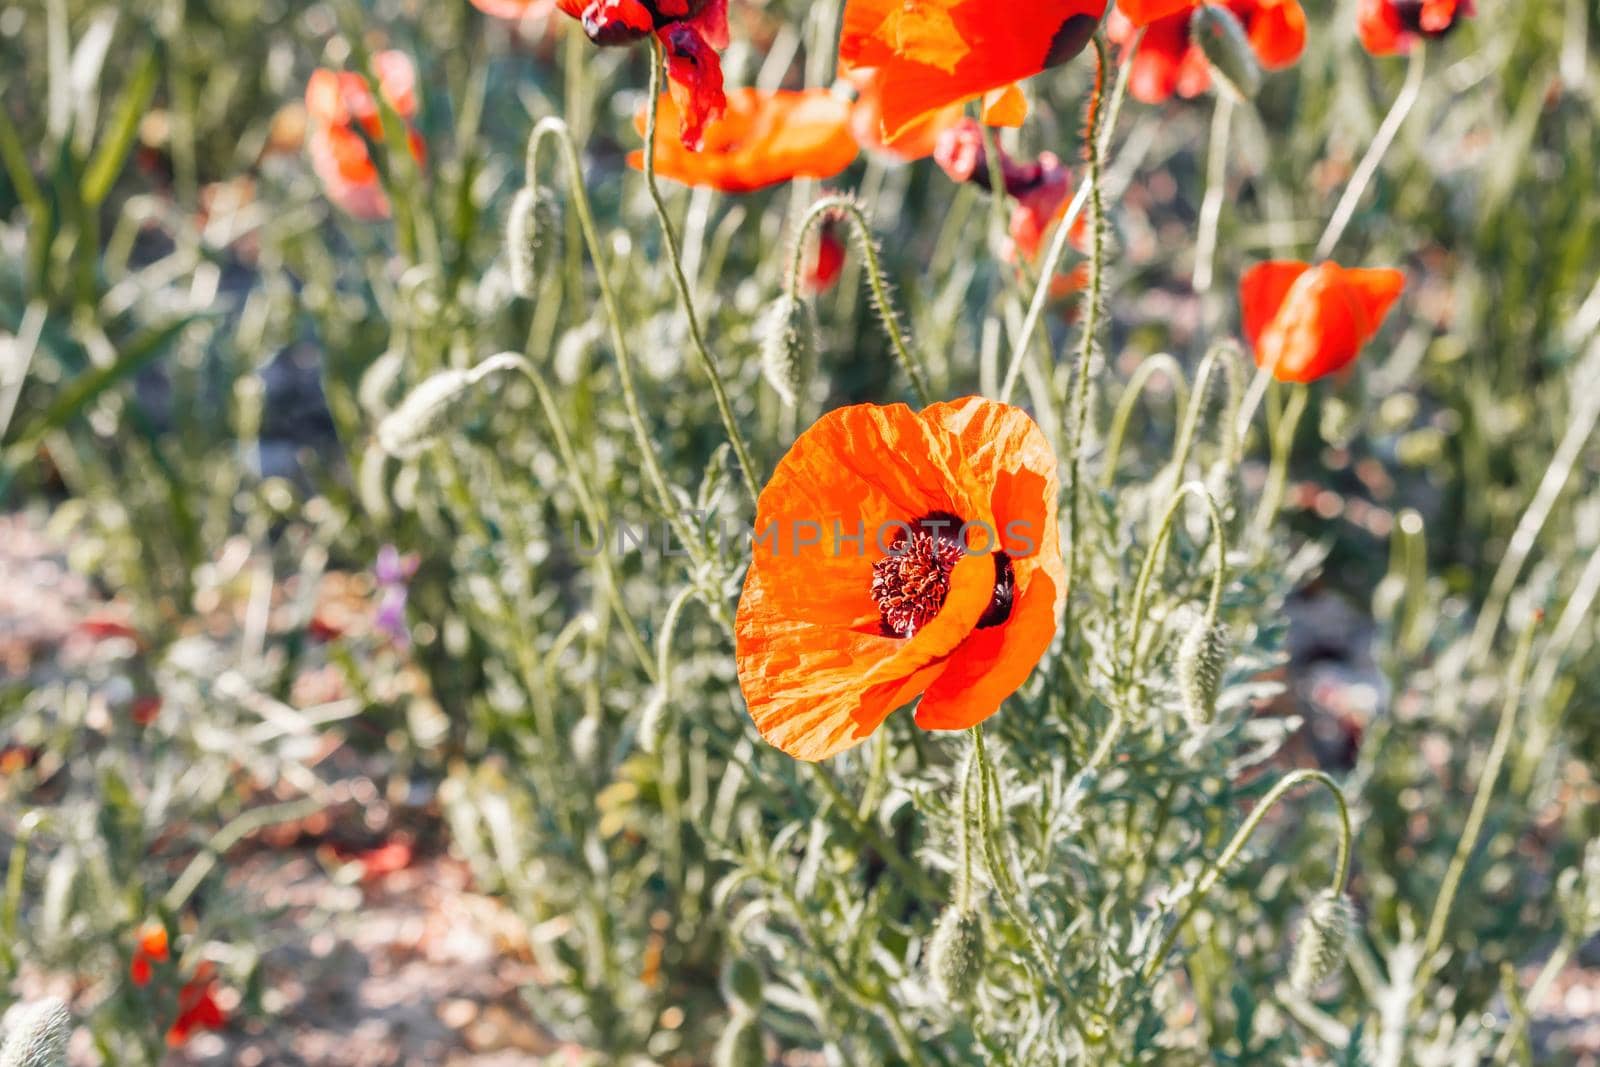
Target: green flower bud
(36, 1035)
(1324, 937)
(437, 405)
(956, 954)
(533, 238)
(1219, 34)
(741, 1044)
(1202, 655)
(786, 346)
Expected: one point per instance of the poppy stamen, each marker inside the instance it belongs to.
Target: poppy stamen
(910, 584)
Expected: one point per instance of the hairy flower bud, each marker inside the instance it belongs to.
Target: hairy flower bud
(1201, 657)
(956, 954)
(740, 1044)
(35, 1035)
(1219, 34)
(1323, 938)
(533, 238)
(786, 346)
(438, 404)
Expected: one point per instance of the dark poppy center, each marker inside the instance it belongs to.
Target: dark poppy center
(620, 22)
(910, 584)
(1411, 12)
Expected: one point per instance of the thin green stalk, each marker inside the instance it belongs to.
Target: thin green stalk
(649, 458)
(1403, 103)
(1282, 445)
(1058, 244)
(1160, 363)
(1205, 253)
(910, 360)
(1141, 588)
(1482, 795)
(1221, 354)
(1536, 993)
(669, 237)
(1213, 873)
(1091, 322)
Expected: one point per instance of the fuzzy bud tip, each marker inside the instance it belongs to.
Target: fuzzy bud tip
(1323, 939)
(956, 954)
(786, 346)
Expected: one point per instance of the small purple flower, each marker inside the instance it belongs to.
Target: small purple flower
(393, 571)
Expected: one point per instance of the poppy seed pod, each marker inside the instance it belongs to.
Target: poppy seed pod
(438, 404)
(956, 954)
(786, 346)
(740, 1044)
(1320, 946)
(1201, 657)
(1222, 38)
(37, 1035)
(533, 238)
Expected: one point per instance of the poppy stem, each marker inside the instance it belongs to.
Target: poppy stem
(847, 206)
(1058, 243)
(1161, 363)
(553, 127)
(1368, 167)
(1282, 446)
(669, 237)
(1223, 354)
(1241, 838)
(1205, 252)
(1219, 575)
(1091, 318)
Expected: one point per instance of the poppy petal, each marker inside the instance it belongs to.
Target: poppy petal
(1277, 30)
(1005, 107)
(1374, 292)
(992, 664)
(1261, 293)
(694, 72)
(1144, 12)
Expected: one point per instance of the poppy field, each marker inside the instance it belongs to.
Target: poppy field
(739, 532)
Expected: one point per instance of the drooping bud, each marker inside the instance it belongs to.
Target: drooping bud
(786, 346)
(956, 954)
(742, 984)
(533, 238)
(438, 404)
(1322, 941)
(741, 1044)
(36, 1035)
(1202, 654)
(1222, 38)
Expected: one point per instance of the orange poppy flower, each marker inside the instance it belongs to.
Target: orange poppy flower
(690, 32)
(1306, 322)
(151, 948)
(1390, 27)
(337, 102)
(1168, 61)
(932, 54)
(197, 1006)
(762, 139)
(916, 141)
(897, 554)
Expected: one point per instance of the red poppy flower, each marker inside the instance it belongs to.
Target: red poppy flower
(1169, 61)
(1390, 27)
(931, 54)
(691, 32)
(151, 948)
(197, 1007)
(825, 259)
(763, 138)
(515, 9)
(337, 102)
(897, 554)
(1042, 189)
(1305, 322)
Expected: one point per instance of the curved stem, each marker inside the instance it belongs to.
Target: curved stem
(1058, 244)
(1220, 354)
(1282, 446)
(1385, 136)
(1481, 797)
(558, 129)
(1205, 252)
(1141, 589)
(910, 362)
(1241, 838)
(1160, 363)
(1091, 322)
(669, 237)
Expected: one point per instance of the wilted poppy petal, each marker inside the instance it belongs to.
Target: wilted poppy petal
(694, 71)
